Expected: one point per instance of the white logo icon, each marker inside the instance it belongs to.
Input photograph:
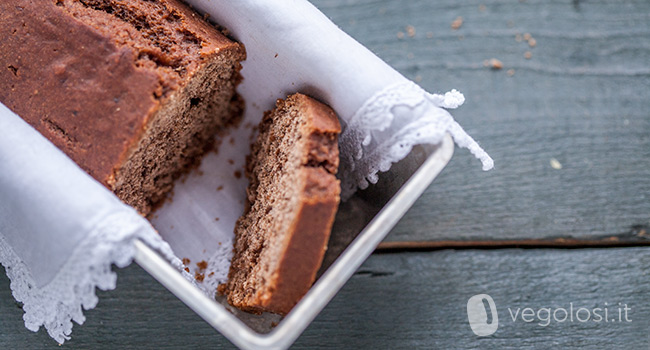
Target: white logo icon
(478, 317)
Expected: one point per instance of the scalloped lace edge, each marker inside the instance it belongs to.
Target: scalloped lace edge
(367, 150)
(60, 302)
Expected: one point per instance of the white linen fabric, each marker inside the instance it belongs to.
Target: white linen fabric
(60, 230)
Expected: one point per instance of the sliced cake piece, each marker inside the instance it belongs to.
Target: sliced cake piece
(133, 91)
(293, 197)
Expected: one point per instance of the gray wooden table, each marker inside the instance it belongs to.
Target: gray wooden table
(561, 223)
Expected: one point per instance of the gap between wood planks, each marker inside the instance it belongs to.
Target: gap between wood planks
(639, 235)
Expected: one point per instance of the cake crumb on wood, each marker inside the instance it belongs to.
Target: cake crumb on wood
(231, 162)
(495, 64)
(528, 55)
(185, 261)
(532, 42)
(202, 265)
(410, 31)
(220, 188)
(187, 269)
(237, 174)
(400, 35)
(457, 23)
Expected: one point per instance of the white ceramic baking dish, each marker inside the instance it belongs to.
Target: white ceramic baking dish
(361, 224)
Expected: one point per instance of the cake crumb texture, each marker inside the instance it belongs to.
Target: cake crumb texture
(132, 91)
(292, 201)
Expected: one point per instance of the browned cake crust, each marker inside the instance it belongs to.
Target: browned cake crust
(133, 91)
(293, 197)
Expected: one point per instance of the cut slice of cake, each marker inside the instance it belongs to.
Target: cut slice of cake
(293, 197)
(133, 91)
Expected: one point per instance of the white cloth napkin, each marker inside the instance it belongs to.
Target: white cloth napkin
(292, 46)
(60, 230)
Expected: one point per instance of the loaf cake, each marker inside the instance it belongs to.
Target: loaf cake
(133, 91)
(293, 196)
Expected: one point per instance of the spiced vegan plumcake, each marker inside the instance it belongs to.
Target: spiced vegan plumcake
(293, 196)
(133, 91)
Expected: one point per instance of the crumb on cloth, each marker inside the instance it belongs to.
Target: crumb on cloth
(199, 277)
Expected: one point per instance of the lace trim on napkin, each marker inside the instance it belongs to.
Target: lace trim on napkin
(60, 302)
(218, 267)
(368, 147)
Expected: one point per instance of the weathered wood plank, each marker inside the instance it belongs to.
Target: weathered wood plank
(397, 301)
(583, 98)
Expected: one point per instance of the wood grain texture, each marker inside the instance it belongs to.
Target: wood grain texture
(396, 301)
(583, 98)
